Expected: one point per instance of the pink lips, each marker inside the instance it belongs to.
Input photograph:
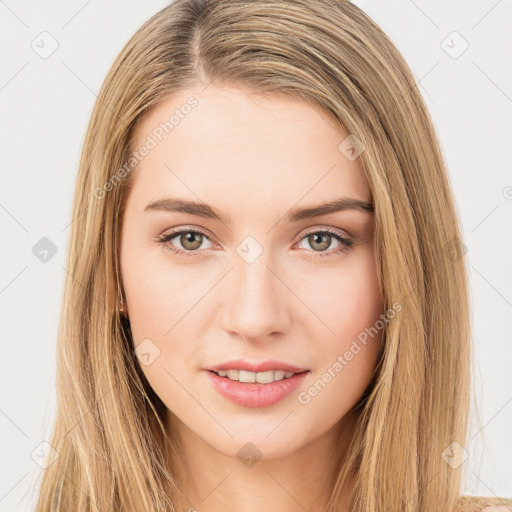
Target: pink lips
(253, 394)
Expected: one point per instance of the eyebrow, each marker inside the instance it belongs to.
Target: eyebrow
(295, 214)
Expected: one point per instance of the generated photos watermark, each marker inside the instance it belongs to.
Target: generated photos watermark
(304, 397)
(152, 140)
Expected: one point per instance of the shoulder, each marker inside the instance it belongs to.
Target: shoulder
(483, 504)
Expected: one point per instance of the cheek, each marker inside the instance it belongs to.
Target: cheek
(157, 294)
(160, 327)
(164, 305)
(350, 300)
(351, 307)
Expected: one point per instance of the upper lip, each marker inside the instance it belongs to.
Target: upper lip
(262, 366)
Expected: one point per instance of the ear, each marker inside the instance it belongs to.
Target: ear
(115, 298)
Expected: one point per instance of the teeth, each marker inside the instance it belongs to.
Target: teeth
(260, 377)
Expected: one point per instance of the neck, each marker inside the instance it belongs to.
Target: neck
(300, 480)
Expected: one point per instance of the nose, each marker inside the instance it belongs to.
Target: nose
(256, 301)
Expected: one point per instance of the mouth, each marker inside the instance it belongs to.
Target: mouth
(257, 367)
(246, 376)
(255, 389)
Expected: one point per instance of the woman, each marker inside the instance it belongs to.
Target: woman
(267, 306)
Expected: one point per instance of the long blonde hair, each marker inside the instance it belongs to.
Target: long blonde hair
(113, 450)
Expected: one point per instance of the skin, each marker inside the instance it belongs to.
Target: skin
(253, 159)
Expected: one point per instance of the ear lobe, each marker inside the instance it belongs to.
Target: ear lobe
(115, 299)
(123, 310)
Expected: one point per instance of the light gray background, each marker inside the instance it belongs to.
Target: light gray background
(45, 108)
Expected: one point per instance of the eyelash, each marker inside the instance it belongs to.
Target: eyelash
(164, 240)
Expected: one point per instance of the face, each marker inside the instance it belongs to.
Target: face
(254, 275)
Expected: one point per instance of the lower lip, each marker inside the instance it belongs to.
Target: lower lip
(253, 394)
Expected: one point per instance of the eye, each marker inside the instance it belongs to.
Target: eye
(191, 240)
(320, 240)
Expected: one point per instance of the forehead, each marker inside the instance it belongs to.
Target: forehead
(228, 145)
